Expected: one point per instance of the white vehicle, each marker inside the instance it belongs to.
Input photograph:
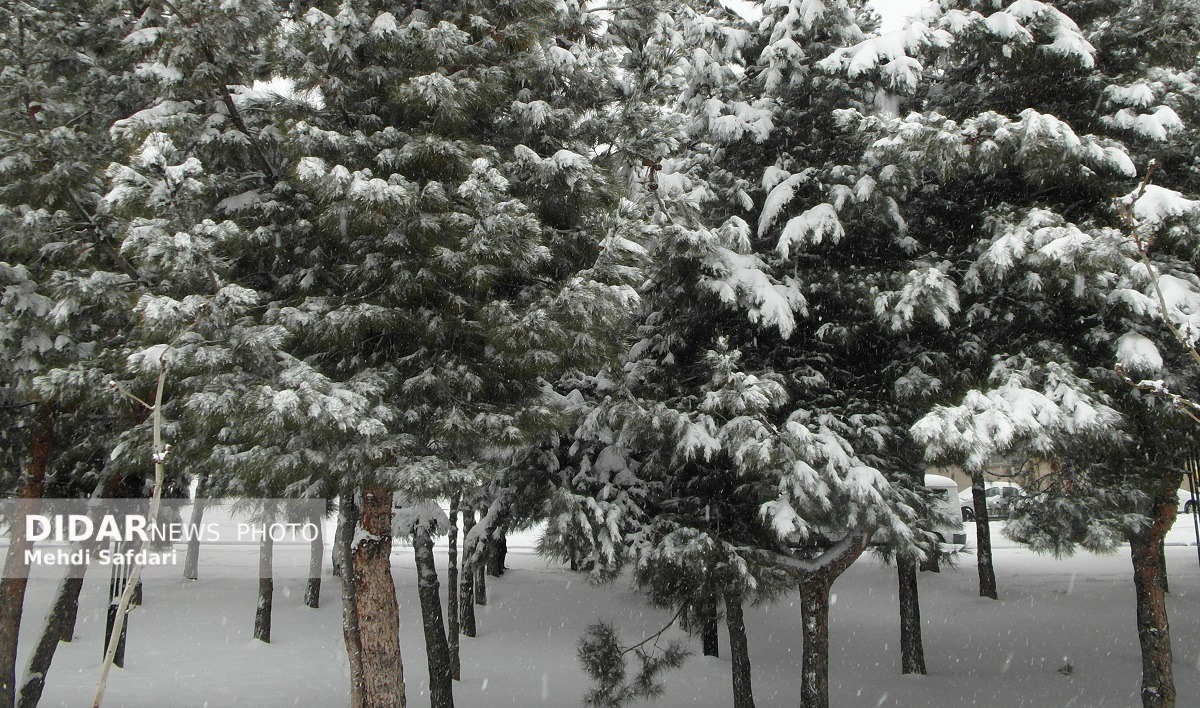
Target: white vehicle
(1000, 498)
(944, 490)
(1186, 505)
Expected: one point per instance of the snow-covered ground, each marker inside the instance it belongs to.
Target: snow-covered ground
(190, 644)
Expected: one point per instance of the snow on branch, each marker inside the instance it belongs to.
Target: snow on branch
(1178, 298)
(892, 54)
(1023, 23)
(927, 291)
(989, 424)
(810, 229)
(741, 280)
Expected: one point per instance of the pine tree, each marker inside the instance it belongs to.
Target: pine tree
(678, 463)
(1011, 175)
(455, 246)
(205, 211)
(66, 289)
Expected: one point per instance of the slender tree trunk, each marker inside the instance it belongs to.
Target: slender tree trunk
(378, 611)
(466, 581)
(342, 535)
(1154, 634)
(108, 490)
(16, 580)
(437, 648)
(347, 522)
(983, 538)
(116, 639)
(912, 650)
(496, 554)
(452, 628)
(739, 652)
(266, 586)
(814, 668)
(71, 611)
(316, 561)
(191, 561)
(62, 613)
(480, 568)
(708, 626)
(814, 614)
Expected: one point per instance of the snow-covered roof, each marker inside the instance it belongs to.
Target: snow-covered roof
(937, 480)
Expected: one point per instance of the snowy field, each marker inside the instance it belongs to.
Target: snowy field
(190, 644)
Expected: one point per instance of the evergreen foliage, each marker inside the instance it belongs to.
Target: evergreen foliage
(603, 659)
(707, 294)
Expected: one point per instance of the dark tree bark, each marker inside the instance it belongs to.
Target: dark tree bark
(479, 569)
(452, 627)
(347, 521)
(1154, 634)
(342, 535)
(59, 621)
(983, 539)
(496, 554)
(739, 652)
(912, 650)
(71, 612)
(1162, 557)
(266, 587)
(466, 581)
(316, 558)
(191, 561)
(814, 614)
(708, 626)
(377, 610)
(814, 672)
(15, 580)
(437, 648)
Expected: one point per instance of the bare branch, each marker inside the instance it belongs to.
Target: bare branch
(659, 633)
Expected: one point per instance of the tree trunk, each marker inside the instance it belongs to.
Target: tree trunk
(71, 612)
(497, 552)
(347, 521)
(266, 586)
(375, 599)
(708, 626)
(479, 568)
(452, 628)
(191, 561)
(16, 580)
(983, 538)
(60, 621)
(316, 558)
(342, 535)
(814, 667)
(1162, 562)
(1154, 635)
(739, 653)
(912, 650)
(466, 581)
(814, 614)
(437, 649)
